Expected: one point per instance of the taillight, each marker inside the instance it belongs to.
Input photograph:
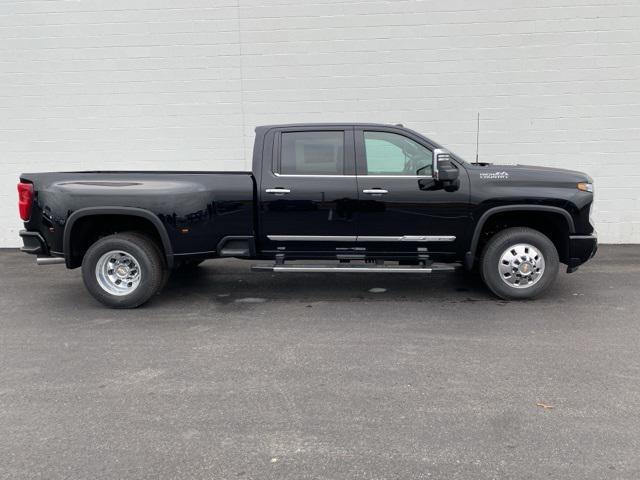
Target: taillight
(25, 200)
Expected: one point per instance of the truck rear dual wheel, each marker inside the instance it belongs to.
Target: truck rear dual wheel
(519, 263)
(123, 270)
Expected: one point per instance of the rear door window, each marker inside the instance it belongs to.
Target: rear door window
(312, 153)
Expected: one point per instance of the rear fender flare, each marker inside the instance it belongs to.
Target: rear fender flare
(128, 211)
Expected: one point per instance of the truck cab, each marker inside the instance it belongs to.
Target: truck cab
(359, 190)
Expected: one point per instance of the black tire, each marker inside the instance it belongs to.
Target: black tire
(150, 263)
(166, 272)
(501, 242)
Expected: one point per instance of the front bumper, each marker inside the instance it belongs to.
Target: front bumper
(581, 249)
(33, 243)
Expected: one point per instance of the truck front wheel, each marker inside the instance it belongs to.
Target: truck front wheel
(519, 263)
(123, 270)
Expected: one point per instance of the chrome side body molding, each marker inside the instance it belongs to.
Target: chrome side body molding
(360, 238)
(278, 191)
(312, 238)
(407, 238)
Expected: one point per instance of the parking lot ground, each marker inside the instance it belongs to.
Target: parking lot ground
(234, 374)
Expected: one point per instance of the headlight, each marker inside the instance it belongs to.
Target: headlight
(585, 187)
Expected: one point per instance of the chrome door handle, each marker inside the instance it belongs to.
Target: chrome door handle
(375, 191)
(278, 191)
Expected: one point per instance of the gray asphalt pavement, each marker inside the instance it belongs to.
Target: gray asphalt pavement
(230, 374)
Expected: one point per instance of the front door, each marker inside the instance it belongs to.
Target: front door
(309, 193)
(401, 208)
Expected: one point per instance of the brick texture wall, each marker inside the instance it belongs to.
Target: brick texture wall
(180, 84)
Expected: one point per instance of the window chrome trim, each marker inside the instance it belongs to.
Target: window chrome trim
(361, 238)
(348, 176)
(310, 176)
(395, 176)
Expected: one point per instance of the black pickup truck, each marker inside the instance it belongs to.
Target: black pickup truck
(350, 197)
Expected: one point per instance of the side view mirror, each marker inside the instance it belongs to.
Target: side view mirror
(444, 170)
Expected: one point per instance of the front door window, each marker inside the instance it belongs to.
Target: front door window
(392, 154)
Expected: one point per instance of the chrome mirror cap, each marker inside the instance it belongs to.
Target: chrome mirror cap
(439, 155)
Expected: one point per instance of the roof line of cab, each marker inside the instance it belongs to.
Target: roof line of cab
(398, 126)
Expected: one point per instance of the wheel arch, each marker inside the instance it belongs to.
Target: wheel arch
(470, 256)
(124, 212)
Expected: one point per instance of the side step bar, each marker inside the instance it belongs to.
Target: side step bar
(356, 268)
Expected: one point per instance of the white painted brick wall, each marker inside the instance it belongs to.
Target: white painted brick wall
(180, 84)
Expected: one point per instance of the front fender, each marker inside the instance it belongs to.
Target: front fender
(477, 229)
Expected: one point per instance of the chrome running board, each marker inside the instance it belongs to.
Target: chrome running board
(356, 268)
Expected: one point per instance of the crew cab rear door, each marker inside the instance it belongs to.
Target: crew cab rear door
(401, 208)
(308, 193)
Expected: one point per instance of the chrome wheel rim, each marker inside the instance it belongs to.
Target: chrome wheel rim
(118, 273)
(521, 266)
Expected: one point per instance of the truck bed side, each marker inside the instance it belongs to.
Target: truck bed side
(192, 211)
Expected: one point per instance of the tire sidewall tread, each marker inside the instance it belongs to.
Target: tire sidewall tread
(166, 272)
(499, 243)
(150, 263)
